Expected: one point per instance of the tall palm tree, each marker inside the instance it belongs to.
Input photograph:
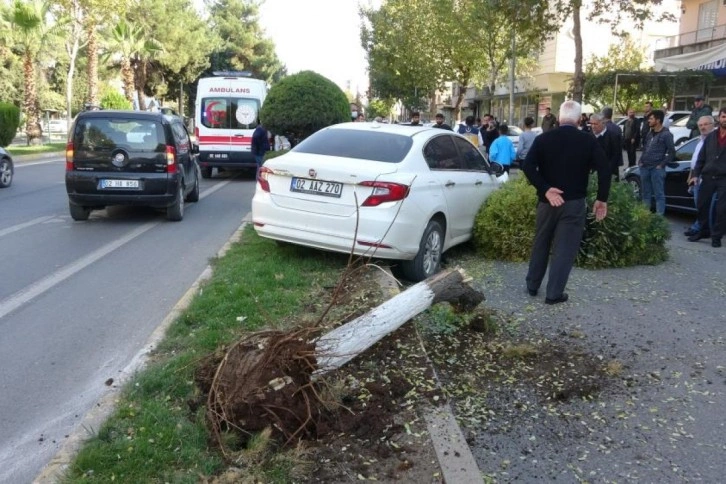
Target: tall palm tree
(132, 46)
(31, 32)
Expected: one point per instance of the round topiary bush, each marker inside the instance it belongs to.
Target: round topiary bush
(9, 122)
(303, 103)
(630, 234)
(115, 100)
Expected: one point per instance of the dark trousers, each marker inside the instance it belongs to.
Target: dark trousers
(630, 148)
(709, 186)
(560, 230)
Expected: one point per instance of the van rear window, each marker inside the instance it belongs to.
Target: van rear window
(221, 112)
(110, 133)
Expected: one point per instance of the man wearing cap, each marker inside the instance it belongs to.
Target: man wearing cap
(700, 108)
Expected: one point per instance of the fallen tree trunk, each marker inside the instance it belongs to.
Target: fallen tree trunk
(344, 343)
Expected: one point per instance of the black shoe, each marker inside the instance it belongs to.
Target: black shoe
(690, 232)
(557, 300)
(698, 236)
(532, 292)
(715, 242)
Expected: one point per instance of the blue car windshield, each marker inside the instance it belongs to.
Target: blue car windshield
(355, 143)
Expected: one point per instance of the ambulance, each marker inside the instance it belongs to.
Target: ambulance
(226, 113)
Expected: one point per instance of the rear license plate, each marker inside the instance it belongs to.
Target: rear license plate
(119, 184)
(316, 187)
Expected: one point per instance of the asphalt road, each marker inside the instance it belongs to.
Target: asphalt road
(79, 299)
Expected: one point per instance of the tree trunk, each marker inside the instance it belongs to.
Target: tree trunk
(344, 343)
(578, 80)
(33, 130)
(73, 45)
(92, 62)
(127, 77)
(140, 82)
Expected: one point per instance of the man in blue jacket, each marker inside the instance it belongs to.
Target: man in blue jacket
(260, 144)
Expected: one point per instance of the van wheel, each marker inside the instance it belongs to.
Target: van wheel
(176, 212)
(79, 213)
(194, 194)
(207, 172)
(428, 260)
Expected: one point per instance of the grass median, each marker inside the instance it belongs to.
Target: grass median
(158, 432)
(36, 149)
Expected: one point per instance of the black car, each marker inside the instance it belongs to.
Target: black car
(6, 169)
(676, 188)
(130, 158)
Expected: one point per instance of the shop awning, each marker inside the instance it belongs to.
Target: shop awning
(712, 59)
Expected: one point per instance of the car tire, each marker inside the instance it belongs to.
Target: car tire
(634, 183)
(194, 194)
(175, 212)
(428, 260)
(6, 172)
(78, 212)
(207, 172)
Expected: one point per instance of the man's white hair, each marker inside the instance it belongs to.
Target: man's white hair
(570, 112)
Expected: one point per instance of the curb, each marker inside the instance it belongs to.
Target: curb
(36, 156)
(93, 419)
(454, 455)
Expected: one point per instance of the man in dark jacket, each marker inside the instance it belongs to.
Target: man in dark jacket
(700, 108)
(617, 134)
(606, 140)
(711, 168)
(260, 144)
(558, 165)
(549, 121)
(631, 136)
(644, 126)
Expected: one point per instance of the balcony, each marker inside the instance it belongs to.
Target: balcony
(690, 42)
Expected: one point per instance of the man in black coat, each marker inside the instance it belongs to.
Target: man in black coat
(606, 140)
(631, 136)
(617, 133)
(558, 165)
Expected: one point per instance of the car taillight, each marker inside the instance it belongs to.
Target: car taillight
(69, 156)
(262, 174)
(384, 192)
(170, 159)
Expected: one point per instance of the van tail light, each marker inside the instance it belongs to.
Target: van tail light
(384, 192)
(196, 132)
(170, 159)
(262, 173)
(69, 156)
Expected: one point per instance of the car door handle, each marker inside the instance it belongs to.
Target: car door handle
(238, 135)
(449, 184)
(479, 182)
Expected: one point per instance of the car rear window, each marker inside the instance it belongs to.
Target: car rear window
(109, 133)
(359, 144)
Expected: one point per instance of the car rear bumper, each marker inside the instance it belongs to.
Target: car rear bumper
(155, 190)
(338, 233)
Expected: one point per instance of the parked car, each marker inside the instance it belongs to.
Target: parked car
(673, 116)
(676, 189)
(130, 158)
(6, 168)
(680, 133)
(386, 191)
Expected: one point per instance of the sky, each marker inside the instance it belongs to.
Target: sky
(319, 35)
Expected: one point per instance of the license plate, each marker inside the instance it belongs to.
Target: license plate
(316, 187)
(119, 184)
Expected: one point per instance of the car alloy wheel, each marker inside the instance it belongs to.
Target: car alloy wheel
(6, 173)
(428, 260)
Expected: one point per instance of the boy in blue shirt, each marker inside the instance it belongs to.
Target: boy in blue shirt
(502, 149)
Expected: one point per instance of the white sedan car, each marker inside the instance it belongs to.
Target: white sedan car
(377, 190)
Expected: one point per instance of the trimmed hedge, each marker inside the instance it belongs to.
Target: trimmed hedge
(302, 104)
(115, 100)
(630, 234)
(9, 122)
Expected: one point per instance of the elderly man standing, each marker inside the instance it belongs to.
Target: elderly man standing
(558, 165)
(705, 126)
(607, 140)
(711, 168)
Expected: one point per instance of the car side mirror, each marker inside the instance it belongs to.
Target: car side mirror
(495, 169)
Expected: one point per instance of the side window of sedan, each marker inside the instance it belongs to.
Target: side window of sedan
(472, 157)
(440, 154)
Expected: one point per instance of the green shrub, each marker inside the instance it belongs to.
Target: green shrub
(115, 100)
(9, 122)
(630, 234)
(274, 154)
(303, 103)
